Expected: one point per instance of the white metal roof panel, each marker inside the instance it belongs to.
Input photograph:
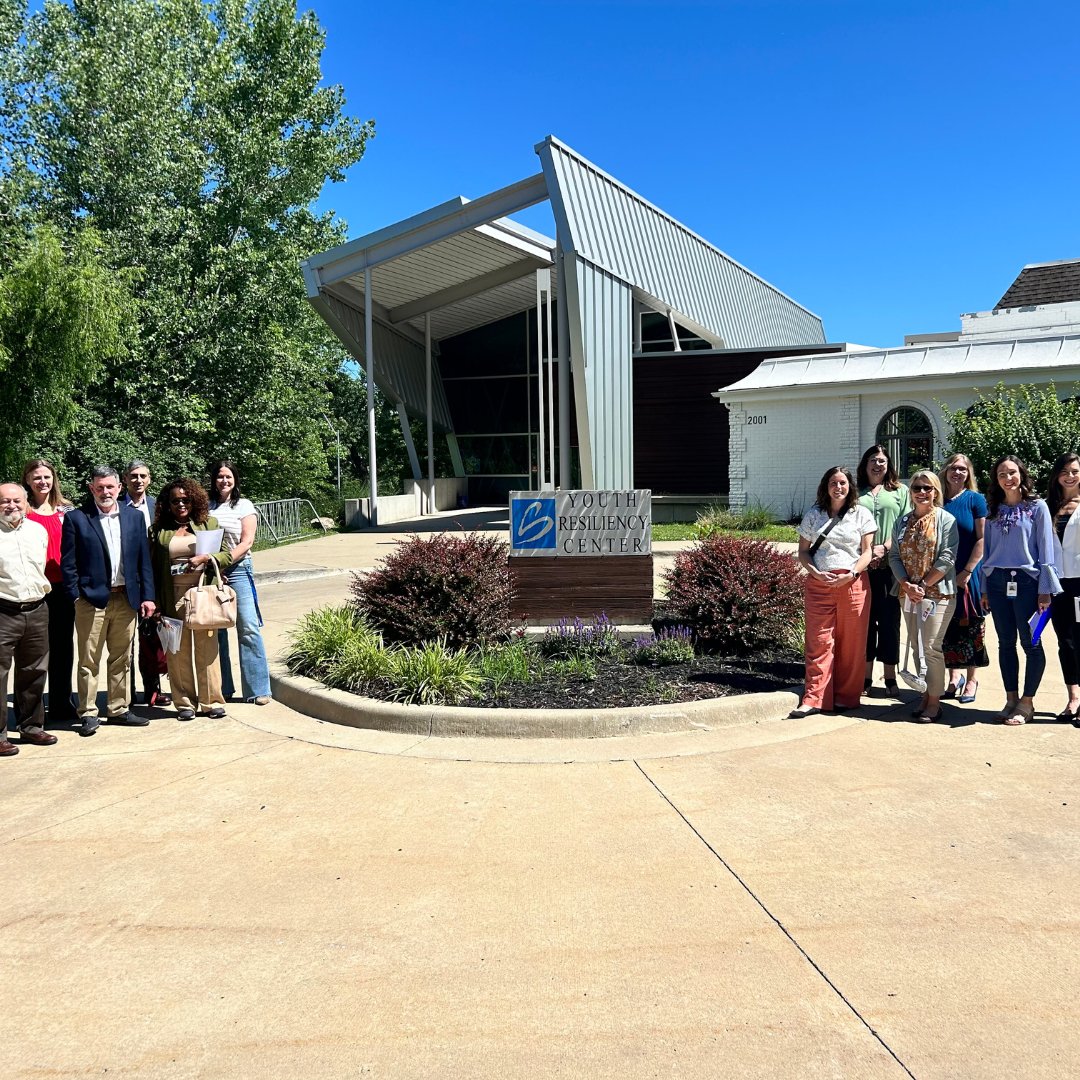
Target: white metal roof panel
(616, 229)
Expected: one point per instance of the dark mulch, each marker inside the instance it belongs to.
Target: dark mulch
(621, 684)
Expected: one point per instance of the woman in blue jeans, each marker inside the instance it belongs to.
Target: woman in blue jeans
(237, 516)
(1019, 578)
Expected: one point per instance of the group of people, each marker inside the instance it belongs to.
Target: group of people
(940, 555)
(79, 582)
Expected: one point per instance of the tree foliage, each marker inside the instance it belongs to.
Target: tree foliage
(194, 137)
(62, 320)
(1031, 422)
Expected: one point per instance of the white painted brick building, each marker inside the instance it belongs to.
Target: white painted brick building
(794, 417)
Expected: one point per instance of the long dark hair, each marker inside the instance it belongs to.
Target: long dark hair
(216, 468)
(199, 507)
(824, 499)
(995, 494)
(1053, 492)
(891, 482)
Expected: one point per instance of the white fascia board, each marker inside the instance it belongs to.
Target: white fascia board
(542, 149)
(459, 218)
(522, 233)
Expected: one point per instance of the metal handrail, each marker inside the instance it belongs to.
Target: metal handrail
(283, 519)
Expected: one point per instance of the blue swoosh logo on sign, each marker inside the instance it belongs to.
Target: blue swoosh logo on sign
(530, 524)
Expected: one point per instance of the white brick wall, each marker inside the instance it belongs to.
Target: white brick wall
(780, 448)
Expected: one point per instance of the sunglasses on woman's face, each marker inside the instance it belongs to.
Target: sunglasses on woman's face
(921, 487)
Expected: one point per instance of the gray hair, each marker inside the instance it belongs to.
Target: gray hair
(100, 472)
(136, 463)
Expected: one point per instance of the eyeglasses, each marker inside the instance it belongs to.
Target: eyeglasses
(921, 487)
(179, 502)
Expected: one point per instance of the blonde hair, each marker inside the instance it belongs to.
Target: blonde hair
(55, 497)
(970, 484)
(935, 483)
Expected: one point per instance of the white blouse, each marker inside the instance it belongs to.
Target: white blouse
(230, 518)
(840, 550)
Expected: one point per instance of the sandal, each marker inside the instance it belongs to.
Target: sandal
(925, 718)
(1020, 715)
(891, 688)
(1008, 710)
(803, 711)
(970, 690)
(1067, 715)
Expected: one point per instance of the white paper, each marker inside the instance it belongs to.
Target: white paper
(208, 542)
(1076, 607)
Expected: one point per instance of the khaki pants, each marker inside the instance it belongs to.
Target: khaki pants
(933, 635)
(95, 628)
(194, 672)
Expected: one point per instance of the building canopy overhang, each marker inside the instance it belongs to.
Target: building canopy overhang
(464, 264)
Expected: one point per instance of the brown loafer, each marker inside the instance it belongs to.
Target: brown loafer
(8, 749)
(37, 738)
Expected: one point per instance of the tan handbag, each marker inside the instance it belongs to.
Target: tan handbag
(208, 606)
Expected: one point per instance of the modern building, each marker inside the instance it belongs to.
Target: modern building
(795, 416)
(587, 360)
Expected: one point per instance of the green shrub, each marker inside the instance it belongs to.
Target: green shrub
(454, 588)
(737, 595)
(721, 519)
(432, 674)
(320, 639)
(517, 661)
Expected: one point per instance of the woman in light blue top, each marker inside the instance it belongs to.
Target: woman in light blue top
(1019, 578)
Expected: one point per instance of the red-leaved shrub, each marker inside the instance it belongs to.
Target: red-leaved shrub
(452, 587)
(737, 595)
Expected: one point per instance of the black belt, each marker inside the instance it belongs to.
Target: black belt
(9, 607)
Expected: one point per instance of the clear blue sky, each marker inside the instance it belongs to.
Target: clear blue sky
(888, 165)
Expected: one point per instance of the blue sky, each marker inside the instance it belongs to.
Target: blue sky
(888, 165)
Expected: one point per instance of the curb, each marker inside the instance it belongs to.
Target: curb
(282, 577)
(311, 698)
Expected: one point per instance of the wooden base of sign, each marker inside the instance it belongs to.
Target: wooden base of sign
(547, 590)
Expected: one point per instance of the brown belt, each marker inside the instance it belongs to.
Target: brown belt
(118, 588)
(10, 607)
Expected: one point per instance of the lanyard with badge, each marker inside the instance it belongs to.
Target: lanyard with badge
(1010, 586)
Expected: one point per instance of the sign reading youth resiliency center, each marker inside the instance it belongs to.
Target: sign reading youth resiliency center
(583, 523)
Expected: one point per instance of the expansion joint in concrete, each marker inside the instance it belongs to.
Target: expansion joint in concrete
(779, 925)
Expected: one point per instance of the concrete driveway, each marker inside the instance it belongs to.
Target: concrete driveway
(270, 896)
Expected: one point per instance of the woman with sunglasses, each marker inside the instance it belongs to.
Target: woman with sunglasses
(194, 673)
(965, 635)
(1019, 578)
(881, 492)
(1063, 502)
(835, 546)
(923, 561)
(48, 507)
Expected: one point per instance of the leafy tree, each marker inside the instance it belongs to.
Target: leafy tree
(1028, 421)
(63, 317)
(195, 136)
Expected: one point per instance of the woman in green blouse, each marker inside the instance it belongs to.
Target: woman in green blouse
(881, 492)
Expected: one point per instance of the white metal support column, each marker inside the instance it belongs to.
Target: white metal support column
(543, 303)
(410, 446)
(430, 421)
(369, 355)
(549, 360)
(564, 374)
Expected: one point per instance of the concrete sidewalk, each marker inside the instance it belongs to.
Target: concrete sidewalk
(270, 896)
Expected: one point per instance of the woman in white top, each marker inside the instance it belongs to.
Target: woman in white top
(835, 546)
(237, 516)
(1063, 502)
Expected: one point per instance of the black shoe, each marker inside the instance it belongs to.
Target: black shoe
(129, 719)
(185, 714)
(216, 714)
(89, 725)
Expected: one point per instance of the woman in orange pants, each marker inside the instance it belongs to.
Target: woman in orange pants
(835, 546)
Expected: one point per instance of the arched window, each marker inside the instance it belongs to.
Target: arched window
(909, 439)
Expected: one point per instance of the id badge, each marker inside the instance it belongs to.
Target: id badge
(1010, 589)
(1076, 607)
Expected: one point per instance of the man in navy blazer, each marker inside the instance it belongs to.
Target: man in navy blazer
(152, 660)
(105, 559)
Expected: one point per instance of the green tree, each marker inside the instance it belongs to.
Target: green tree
(63, 318)
(195, 136)
(1031, 422)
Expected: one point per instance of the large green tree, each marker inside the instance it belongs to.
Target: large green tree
(194, 136)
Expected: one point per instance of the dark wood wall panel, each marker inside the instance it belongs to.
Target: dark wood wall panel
(547, 589)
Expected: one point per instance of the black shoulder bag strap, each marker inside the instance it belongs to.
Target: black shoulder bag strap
(833, 522)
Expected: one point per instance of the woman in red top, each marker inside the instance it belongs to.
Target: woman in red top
(48, 507)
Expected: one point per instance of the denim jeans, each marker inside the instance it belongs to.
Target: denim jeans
(254, 670)
(1011, 616)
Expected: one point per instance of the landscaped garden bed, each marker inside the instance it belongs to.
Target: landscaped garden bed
(431, 626)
